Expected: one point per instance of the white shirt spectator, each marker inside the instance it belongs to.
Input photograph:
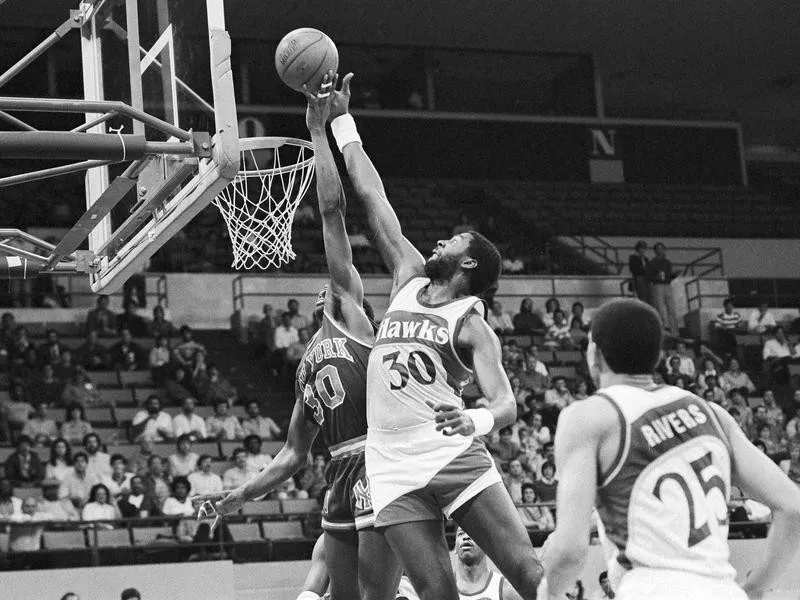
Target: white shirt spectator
(229, 426)
(77, 488)
(774, 349)
(99, 465)
(687, 366)
(193, 424)
(58, 471)
(182, 465)
(513, 265)
(115, 488)
(263, 427)
(94, 511)
(502, 321)
(151, 430)
(205, 484)
(256, 462)
(286, 336)
(234, 477)
(758, 323)
(173, 506)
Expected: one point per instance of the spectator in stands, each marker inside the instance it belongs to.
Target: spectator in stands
(660, 274)
(178, 386)
(160, 326)
(673, 375)
(578, 312)
(125, 345)
(60, 463)
(185, 351)
(735, 378)
(738, 400)
(101, 319)
(152, 423)
(16, 411)
(764, 435)
(298, 321)
(515, 479)
(7, 326)
(138, 504)
(39, 424)
(256, 460)
(20, 345)
(709, 383)
(761, 320)
(140, 460)
(774, 413)
(119, 481)
(536, 377)
(131, 321)
(238, 473)
(500, 320)
(512, 264)
(637, 263)
(725, 326)
(189, 423)
(550, 307)
(534, 517)
(99, 463)
(264, 332)
(521, 394)
(255, 424)
(183, 461)
(66, 369)
(221, 425)
(506, 448)
(130, 594)
(59, 509)
(159, 359)
(526, 321)
(559, 395)
(288, 490)
(709, 369)
(157, 479)
(76, 485)
(81, 390)
(48, 389)
(539, 434)
(777, 354)
(285, 335)
(75, 425)
(313, 479)
(687, 366)
(50, 352)
(27, 527)
(179, 505)
(204, 480)
(23, 467)
(217, 388)
(199, 372)
(9, 503)
(99, 507)
(295, 352)
(581, 389)
(558, 336)
(792, 466)
(579, 339)
(130, 362)
(760, 419)
(547, 485)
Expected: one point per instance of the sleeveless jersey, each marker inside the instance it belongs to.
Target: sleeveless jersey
(414, 359)
(492, 591)
(664, 500)
(332, 379)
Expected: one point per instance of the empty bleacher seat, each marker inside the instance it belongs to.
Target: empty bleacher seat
(143, 536)
(109, 435)
(210, 448)
(136, 378)
(27, 492)
(119, 397)
(282, 530)
(568, 357)
(64, 540)
(299, 506)
(262, 507)
(245, 532)
(126, 413)
(98, 414)
(547, 357)
(105, 378)
(141, 394)
(568, 372)
(113, 538)
(127, 450)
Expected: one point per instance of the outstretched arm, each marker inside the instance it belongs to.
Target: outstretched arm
(403, 260)
(330, 195)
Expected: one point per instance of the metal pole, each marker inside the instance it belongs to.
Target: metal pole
(97, 121)
(31, 56)
(15, 121)
(54, 172)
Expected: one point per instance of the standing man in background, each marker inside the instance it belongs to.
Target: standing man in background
(637, 263)
(660, 275)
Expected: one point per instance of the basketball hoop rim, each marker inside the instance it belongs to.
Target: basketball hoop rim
(274, 142)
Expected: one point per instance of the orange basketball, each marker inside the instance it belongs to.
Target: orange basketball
(304, 56)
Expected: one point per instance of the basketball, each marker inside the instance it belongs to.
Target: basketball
(304, 56)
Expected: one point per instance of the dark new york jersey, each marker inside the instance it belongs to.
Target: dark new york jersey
(332, 377)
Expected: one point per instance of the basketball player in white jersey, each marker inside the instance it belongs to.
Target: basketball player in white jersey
(424, 458)
(659, 462)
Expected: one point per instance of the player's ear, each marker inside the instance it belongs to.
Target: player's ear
(469, 263)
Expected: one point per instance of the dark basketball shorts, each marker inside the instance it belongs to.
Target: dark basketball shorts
(460, 480)
(347, 504)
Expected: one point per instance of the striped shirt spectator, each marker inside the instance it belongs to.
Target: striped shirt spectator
(728, 319)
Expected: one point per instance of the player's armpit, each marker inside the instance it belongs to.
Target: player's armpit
(482, 346)
(509, 593)
(577, 441)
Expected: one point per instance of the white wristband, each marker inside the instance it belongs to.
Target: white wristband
(345, 131)
(482, 418)
(308, 596)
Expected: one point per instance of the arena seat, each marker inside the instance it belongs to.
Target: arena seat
(210, 448)
(117, 396)
(282, 530)
(105, 379)
(5, 452)
(112, 538)
(126, 413)
(300, 506)
(127, 450)
(135, 378)
(568, 372)
(98, 414)
(3, 543)
(262, 507)
(144, 536)
(27, 492)
(568, 357)
(141, 394)
(245, 532)
(64, 540)
(109, 435)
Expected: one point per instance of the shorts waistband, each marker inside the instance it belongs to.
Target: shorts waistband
(351, 446)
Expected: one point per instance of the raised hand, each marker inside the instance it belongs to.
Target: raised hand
(451, 420)
(319, 104)
(340, 104)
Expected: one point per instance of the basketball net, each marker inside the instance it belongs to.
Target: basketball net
(259, 204)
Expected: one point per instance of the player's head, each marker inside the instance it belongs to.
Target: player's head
(470, 255)
(467, 551)
(625, 338)
(319, 307)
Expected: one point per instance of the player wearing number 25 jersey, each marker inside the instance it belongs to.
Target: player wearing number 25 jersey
(659, 462)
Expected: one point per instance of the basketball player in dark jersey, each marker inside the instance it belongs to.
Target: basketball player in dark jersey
(659, 463)
(331, 397)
